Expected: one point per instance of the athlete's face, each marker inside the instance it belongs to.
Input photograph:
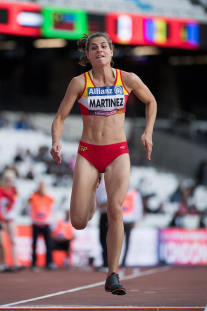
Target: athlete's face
(99, 52)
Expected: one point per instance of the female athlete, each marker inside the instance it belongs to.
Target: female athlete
(102, 95)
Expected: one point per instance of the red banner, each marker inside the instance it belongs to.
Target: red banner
(20, 19)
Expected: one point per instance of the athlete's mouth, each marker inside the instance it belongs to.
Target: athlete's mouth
(100, 56)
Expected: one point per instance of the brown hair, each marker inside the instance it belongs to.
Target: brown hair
(83, 45)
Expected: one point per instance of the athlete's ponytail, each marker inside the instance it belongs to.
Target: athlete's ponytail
(83, 45)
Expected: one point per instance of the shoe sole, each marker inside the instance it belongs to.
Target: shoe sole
(117, 291)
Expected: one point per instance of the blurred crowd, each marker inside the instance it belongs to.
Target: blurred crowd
(61, 172)
(26, 157)
(22, 122)
(189, 198)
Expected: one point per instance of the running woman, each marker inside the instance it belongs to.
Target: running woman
(102, 95)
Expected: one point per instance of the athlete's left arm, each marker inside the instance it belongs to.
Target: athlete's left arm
(134, 84)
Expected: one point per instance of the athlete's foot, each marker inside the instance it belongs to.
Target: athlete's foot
(113, 285)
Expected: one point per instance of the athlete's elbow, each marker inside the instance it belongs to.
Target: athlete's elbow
(151, 101)
(152, 106)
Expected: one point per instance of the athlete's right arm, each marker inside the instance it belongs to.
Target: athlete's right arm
(74, 90)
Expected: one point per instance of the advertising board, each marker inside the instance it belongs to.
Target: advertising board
(63, 22)
(183, 247)
(96, 23)
(143, 248)
(147, 247)
(23, 19)
(160, 31)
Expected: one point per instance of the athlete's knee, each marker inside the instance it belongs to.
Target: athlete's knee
(78, 223)
(114, 211)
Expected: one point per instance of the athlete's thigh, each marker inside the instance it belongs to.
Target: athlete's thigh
(84, 186)
(117, 176)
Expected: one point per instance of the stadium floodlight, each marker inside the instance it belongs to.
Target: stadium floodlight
(8, 45)
(49, 43)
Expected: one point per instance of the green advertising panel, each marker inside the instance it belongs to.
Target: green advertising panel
(62, 22)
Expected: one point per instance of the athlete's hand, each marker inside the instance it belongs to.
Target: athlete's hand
(55, 152)
(147, 144)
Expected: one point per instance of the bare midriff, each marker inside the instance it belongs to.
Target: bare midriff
(98, 130)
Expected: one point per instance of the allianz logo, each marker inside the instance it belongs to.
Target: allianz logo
(118, 90)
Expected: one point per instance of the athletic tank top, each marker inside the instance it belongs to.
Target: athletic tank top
(105, 100)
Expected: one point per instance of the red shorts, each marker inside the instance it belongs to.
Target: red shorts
(100, 156)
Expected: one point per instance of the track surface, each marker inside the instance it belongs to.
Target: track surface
(166, 288)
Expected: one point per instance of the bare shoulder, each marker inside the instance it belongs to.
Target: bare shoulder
(78, 81)
(80, 78)
(128, 75)
(130, 79)
(77, 84)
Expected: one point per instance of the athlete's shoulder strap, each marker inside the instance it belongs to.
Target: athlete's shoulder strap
(119, 81)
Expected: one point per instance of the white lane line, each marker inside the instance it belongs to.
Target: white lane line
(105, 308)
(132, 276)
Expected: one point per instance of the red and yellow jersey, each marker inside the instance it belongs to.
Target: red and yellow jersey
(105, 100)
(10, 210)
(5, 208)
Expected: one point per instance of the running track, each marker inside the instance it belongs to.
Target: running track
(162, 288)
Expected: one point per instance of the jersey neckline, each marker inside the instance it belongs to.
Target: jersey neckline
(105, 85)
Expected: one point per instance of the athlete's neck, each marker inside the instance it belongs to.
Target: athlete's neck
(103, 76)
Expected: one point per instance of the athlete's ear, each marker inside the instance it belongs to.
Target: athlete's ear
(87, 54)
(112, 52)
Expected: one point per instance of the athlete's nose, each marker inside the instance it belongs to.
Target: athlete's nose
(99, 49)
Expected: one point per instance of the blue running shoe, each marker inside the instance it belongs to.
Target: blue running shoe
(113, 285)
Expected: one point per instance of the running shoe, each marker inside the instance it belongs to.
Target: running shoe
(113, 285)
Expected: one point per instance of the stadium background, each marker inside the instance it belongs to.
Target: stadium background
(165, 43)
